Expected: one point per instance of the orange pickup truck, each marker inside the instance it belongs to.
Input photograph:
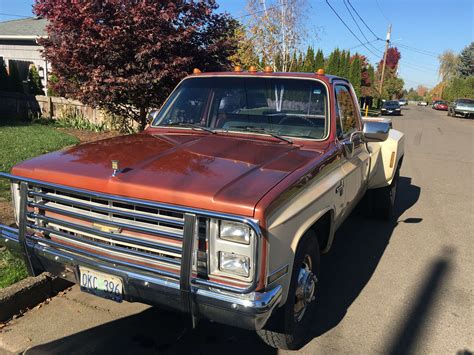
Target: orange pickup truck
(220, 208)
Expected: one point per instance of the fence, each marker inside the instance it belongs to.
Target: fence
(16, 105)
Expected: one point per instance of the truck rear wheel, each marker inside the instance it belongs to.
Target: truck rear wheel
(289, 327)
(384, 199)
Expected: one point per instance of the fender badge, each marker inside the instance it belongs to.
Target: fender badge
(115, 167)
(106, 229)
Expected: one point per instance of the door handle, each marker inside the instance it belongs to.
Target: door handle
(340, 188)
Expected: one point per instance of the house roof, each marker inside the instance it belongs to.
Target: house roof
(28, 28)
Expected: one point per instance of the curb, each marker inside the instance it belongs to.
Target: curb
(28, 293)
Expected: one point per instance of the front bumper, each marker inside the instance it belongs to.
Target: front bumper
(248, 311)
(464, 113)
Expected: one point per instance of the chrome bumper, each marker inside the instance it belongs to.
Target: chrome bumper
(249, 311)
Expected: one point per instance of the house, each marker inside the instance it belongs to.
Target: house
(18, 46)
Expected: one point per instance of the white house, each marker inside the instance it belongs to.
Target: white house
(18, 46)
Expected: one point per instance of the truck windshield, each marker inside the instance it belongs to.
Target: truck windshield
(286, 107)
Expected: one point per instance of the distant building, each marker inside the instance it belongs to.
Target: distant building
(18, 46)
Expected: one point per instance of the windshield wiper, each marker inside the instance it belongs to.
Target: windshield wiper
(263, 131)
(191, 125)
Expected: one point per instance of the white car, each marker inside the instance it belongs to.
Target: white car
(422, 103)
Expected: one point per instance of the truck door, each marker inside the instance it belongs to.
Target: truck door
(356, 157)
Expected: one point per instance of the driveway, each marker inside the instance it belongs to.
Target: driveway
(399, 287)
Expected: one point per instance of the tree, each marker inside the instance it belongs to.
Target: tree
(448, 65)
(276, 26)
(393, 88)
(465, 63)
(245, 55)
(459, 88)
(393, 57)
(421, 90)
(126, 56)
(15, 83)
(355, 75)
(35, 86)
(332, 66)
(308, 63)
(319, 60)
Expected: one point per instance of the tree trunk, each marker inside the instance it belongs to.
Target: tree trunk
(142, 118)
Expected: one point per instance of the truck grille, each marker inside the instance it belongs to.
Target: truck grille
(141, 233)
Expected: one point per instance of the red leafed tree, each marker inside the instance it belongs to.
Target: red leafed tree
(393, 57)
(127, 55)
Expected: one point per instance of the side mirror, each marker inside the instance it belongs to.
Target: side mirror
(151, 116)
(375, 131)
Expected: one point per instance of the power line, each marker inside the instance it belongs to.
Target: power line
(339, 17)
(380, 9)
(420, 51)
(13, 15)
(377, 37)
(353, 19)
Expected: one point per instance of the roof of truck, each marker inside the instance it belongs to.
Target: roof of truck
(328, 77)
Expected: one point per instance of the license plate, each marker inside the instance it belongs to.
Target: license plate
(101, 284)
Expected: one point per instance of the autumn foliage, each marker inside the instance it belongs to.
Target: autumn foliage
(127, 55)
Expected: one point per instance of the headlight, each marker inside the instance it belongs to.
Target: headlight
(234, 263)
(15, 189)
(384, 109)
(234, 232)
(232, 250)
(397, 109)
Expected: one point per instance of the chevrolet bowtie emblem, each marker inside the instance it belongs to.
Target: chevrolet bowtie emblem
(106, 229)
(115, 167)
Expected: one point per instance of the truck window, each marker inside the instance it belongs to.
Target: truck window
(289, 107)
(346, 112)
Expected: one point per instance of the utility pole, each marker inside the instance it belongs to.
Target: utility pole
(385, 60)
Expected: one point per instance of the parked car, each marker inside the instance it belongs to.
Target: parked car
(435, 103)
(422, 103)
(441, 105)
(391, 107)
(462, 107)
(403, 102)
(220, 208)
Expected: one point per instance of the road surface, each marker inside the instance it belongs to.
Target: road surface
(400, 287)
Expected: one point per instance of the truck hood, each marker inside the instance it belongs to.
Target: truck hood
(221, 173)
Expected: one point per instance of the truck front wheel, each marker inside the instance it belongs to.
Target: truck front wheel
(289, 328)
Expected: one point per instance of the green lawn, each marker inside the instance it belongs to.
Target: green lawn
(20, 141)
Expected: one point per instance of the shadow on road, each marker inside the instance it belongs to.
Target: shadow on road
(410, 328)
(357, 250)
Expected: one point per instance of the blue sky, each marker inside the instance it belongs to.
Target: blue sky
(426, 26)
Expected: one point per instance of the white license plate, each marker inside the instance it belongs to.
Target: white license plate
(101, 284)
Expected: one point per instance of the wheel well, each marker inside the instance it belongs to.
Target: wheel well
(322, 228)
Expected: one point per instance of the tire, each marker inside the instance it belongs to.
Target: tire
(384, 198)
(288, 328)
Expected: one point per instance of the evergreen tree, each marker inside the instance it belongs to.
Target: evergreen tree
(319, 60)
(3, 77)
(333, 62)
(294, 63)
(35, 86)
(14, 83)
(355, 75)
(466, 61)
(309, 65)
(299, 65)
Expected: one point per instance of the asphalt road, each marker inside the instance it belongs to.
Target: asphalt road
(400, 287)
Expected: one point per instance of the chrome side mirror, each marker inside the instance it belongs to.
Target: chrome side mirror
(151, 116)
(375, 131)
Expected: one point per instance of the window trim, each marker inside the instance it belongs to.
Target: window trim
(338, 116)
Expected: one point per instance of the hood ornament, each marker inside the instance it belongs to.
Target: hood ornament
(115, 167)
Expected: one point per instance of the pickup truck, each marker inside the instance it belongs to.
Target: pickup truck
(220, 208)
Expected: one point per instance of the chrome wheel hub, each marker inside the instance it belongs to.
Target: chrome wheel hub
(306, 288)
